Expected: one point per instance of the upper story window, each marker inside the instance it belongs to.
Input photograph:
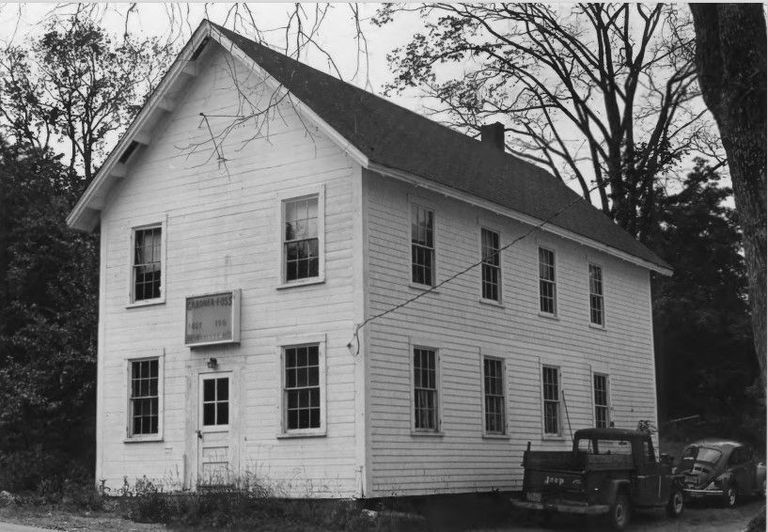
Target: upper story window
(147, 264)
(493, 387)
(422, 246)
(301, 239)
(425, 405)
(551, 393)
(601, 400)
(491, 282)
(596, 312)
(547, 286)
(144, 411)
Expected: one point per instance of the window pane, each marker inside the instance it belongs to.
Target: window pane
(146, 263)
(222, 413)
(222, 392)
(209, 414)
(209, 390)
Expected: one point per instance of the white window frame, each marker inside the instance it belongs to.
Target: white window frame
(591, 265)
(162, 225)
(420, 204)
(129, 436)
(216, 374)
(505, 425)
(299, 341)
(540, 279)
(297, 195)
(607, 406)
(437, 431)
(499, 268)
(544, 432)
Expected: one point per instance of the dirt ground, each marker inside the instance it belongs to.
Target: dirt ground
(698, 518)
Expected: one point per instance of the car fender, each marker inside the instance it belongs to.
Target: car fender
(614, 487)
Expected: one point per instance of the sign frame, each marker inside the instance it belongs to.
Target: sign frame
(234, 317)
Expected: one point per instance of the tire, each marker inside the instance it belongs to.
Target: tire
(731, 497)
(676, 503)
(620, 512)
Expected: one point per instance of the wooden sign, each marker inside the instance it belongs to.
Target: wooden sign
(213, 319)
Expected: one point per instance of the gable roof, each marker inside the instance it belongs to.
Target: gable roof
(397, 138)
(392, 137)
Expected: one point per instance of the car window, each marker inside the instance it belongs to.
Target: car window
(737, 456)
(648, 452)
(605, 447)
(703, 454)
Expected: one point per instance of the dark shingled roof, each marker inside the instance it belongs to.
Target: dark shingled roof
(400, 139)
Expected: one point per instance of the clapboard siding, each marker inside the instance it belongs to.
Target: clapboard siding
(464, 329)
(222, 232)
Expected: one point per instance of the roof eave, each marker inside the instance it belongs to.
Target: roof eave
(445, 190)
(85, 215)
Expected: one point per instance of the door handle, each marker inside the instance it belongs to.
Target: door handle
(199, 434)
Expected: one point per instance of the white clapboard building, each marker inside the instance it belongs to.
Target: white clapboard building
(257, 211)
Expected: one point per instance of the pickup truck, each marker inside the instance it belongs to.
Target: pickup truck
(608, 472)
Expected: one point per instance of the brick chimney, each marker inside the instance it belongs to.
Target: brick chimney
(493, 134)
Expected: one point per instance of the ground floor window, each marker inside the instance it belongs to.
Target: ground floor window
(551, 392)
(145, 397)
(301, 387)
(493, 381)
(601, 400)
(425, 403)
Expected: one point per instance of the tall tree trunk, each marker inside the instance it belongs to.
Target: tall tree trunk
(731, 62)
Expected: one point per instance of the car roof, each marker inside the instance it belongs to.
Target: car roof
(609, 433)
(716, 443)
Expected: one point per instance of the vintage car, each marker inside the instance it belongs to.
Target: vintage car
(721, 470)
(608, 472)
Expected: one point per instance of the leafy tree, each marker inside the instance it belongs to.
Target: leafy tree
(598, 93)
(701, 316)
(48, 316)
(76, 85)
(731, 61)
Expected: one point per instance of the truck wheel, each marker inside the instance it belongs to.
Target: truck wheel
(676, 503)
(618, 516)
(730, 497)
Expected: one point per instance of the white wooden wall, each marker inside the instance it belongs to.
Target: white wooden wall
(222, 233)
(463, 329)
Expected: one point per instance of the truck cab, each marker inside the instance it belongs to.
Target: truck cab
(608, 472)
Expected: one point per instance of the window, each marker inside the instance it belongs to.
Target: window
(425, 389)
(491, 261)
(147, 264)
(596, 295)
(216, 401)
(551, 382)
(422, 246)
(601, 400)
(301, 238)
(493, 378)
(547, 288)
(301, 387)
(145, 397)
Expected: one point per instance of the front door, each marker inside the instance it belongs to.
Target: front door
(214, 440)
(650, 489)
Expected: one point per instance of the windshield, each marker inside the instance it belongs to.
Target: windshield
(702, 454)
(604, 446)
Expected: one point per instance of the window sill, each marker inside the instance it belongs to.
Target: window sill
(549, 316)
(146, 303)
(491, 302)
(303, 282)
(495, 436)
(553, 437)
(427, 433)
(597, 327)
(143, 439)
(423, 288)
(298, 434)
